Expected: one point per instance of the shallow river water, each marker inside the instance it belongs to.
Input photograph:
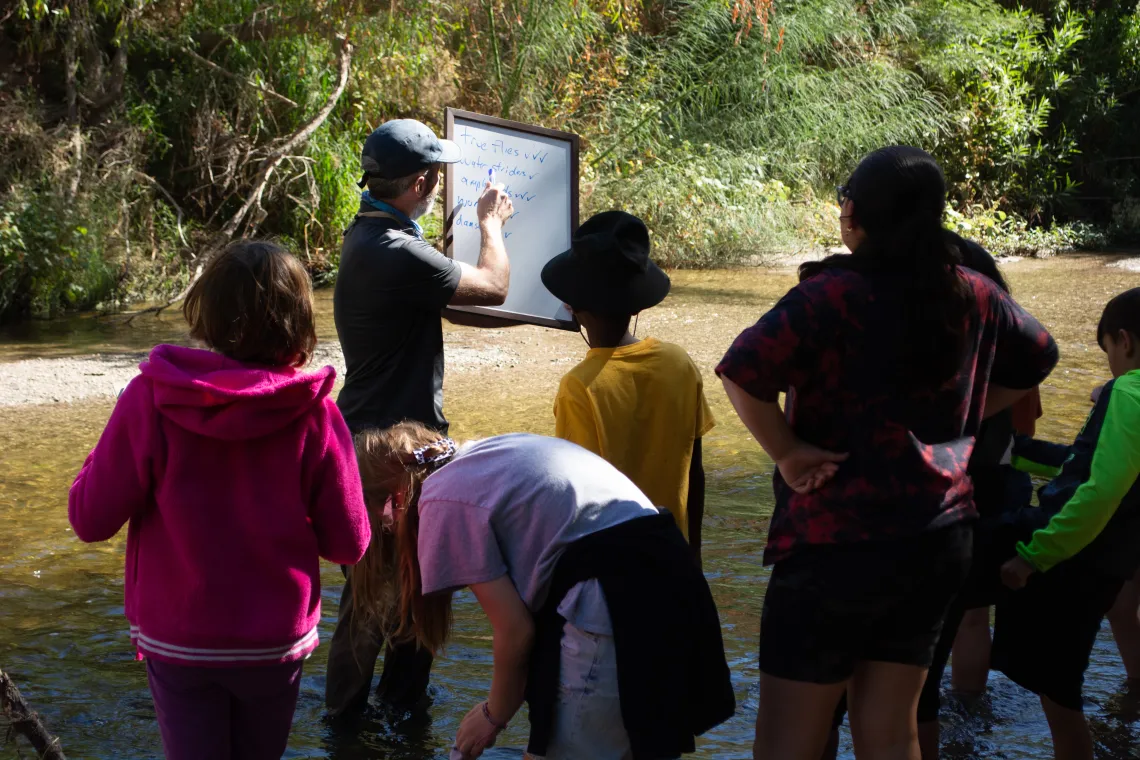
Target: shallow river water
(63, 637)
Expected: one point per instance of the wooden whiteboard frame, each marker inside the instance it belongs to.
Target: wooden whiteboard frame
(450, 115)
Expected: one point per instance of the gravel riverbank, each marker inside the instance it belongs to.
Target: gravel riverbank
(79, 378)
(703, 314)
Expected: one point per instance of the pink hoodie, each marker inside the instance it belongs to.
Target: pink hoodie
(235, 480)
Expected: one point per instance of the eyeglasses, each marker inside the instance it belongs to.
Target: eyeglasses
(841, 194)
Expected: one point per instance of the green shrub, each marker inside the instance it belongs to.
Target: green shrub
(707, 207)
(49, 260)
(725, 124)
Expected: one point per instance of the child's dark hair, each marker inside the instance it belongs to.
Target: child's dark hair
(254, 303)
(979, 259)
(898, 196)
(1121, 313)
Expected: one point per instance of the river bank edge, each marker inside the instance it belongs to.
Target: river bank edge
(101, 374)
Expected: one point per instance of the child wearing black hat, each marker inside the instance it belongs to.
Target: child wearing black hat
(639, 404)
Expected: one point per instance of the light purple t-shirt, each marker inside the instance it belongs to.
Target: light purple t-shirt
(511, 505)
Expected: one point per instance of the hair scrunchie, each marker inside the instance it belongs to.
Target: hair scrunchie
(423, 456)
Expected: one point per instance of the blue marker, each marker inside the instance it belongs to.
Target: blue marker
(491, 176)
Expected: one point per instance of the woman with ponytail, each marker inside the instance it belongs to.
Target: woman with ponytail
(1000, 488)
(600, 617)
(891, 357)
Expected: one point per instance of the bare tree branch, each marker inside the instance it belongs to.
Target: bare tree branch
(253, 203)
(26, 722)
(177, 209)
(76, 11)
(229, 74)
(274, 159)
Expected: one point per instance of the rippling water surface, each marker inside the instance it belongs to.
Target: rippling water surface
(63, 637)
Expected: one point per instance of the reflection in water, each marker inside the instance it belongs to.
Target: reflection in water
(63, 637)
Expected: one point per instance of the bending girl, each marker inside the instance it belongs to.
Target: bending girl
(600, 617)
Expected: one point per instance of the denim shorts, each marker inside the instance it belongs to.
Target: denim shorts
(587, 720)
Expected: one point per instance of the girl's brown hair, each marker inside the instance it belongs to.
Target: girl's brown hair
(387, 594)
(254, 303)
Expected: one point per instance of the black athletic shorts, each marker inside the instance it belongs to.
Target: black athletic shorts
(995, 542)
(1044, 633)
(829, 607)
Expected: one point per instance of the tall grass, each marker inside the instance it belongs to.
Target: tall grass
(777, 115)
(804, 98)
(725, 131)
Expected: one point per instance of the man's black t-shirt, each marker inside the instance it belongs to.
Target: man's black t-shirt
(390, 291)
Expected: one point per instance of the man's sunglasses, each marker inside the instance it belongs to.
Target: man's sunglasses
(841, 194)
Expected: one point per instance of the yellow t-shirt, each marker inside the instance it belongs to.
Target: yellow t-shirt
(640, 407)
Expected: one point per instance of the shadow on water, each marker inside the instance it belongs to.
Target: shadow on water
(63, 637)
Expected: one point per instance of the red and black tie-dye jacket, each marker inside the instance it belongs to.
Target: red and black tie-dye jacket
(835, 344)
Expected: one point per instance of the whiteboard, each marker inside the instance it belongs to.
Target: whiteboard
(538, 168)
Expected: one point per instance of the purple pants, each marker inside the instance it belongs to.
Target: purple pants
(224, 713)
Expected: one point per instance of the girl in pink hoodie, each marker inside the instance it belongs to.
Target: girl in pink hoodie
(235, 473)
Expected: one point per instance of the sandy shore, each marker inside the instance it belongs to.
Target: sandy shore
(704, 314)
(78, 378)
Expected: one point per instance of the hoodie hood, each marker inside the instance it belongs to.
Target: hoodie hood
(211, 395)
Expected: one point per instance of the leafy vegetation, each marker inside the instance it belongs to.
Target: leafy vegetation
(137, 134)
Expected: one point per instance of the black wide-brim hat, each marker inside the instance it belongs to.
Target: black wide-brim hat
(607, 269)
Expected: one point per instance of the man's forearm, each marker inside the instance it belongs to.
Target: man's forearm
(493, 260)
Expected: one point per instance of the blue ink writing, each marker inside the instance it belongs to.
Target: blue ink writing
(466, 138)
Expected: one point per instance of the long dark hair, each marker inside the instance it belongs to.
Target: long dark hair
(898, 197)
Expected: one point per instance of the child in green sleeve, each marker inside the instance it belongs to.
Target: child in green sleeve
(1067, 577)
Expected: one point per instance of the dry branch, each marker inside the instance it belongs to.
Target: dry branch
(298, 138)
(264, 173)
(237, 78)
(261, 27)
(177, 209)
(26, 722)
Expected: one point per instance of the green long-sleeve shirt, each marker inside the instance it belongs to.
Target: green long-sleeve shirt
(1112, 474)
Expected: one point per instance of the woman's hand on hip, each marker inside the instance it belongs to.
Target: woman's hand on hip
(806, 468)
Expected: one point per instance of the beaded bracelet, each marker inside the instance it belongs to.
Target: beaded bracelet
(487, 714)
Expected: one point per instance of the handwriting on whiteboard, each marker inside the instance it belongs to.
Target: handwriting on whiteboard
(471, 141)
(537, 169)
(519, 165)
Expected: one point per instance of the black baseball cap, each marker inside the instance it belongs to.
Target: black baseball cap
(402, 147)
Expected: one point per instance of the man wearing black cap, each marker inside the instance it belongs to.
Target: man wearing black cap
(390, 293)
